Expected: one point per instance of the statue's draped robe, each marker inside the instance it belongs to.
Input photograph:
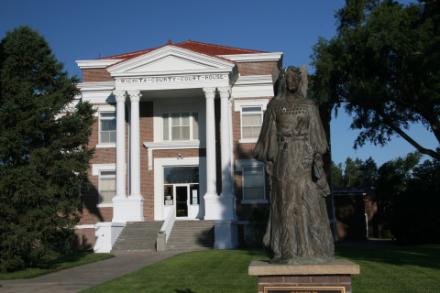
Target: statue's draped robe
(292, 136)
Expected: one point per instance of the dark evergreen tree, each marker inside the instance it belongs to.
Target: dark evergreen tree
(43, 152)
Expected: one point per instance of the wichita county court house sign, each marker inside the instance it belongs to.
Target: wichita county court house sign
(171, 79)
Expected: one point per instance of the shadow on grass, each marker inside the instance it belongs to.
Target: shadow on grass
(185, 291)
(77, 258)
(387, 252)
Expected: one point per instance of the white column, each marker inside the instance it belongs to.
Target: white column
(226, 229)
(213, 209)
(120, 144)
(135, 155)
(226, 155)
(125, 209)
(119, 199)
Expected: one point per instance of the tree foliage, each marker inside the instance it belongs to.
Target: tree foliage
(417, 207)
(384, 67)
(405, 190)
(43, 153)
(356, 173)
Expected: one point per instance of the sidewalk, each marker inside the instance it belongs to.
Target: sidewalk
(86, 276)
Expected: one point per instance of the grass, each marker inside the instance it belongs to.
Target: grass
(385, 268)
(78, 259)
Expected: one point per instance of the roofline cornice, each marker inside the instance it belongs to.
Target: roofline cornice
(254, 57)
(96, 63)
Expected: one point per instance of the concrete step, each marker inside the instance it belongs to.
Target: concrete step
(191, 235)
(138, 236)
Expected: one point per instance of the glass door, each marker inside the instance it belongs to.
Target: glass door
(181, 196)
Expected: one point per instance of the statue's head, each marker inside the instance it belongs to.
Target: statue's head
(293, 78)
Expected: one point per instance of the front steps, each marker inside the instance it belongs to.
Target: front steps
(185, 236)
(138, 236)
(191, 235)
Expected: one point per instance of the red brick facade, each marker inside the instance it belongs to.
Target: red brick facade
(90, 75)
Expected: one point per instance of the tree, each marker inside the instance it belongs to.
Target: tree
(353, 173)
(416, 209)
(43, 153)
(383, 66)
(392, 180)
(336, 175)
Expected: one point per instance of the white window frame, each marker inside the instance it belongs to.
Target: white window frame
(240, 166)
(99, 185)
(96, 171)
(249, 139)
(238, 107)
(170, 127)
(104, 144)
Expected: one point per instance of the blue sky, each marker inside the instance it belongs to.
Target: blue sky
(85, 29)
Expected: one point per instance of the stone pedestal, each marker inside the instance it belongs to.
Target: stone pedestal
(329, 277)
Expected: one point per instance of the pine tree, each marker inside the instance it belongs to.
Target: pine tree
(43, 153)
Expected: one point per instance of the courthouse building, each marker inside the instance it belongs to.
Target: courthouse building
(174, 132)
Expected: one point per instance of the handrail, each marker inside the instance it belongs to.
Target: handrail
(165, 230)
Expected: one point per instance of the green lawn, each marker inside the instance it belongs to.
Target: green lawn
(383, 269)
(65, 262)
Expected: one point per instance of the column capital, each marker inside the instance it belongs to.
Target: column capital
(209, 92)
(135, 96)
(120, 95)
(225, 92)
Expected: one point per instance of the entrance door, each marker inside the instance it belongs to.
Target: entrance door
(181, 196)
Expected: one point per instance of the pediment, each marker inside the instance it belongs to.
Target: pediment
(168, 60)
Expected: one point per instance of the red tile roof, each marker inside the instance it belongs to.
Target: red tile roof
(199, 47)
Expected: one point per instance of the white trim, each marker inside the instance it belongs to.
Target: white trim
(106, 108)
(159, 164)
(85, 226)
(105, 145)
(254, 79)
(215, 64)
(247, 140)
(97, 168)
(96, 63)
(254, 57)
(252, 86)
(96, 85)
(261, 112)
(238, 104)
(105, 205)
(168, 145)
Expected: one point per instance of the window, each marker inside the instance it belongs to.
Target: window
(107, 128)
(253, 183)
(251, 121)
(180, 126)
(107, 186)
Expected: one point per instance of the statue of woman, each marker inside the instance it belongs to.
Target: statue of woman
(291, 143)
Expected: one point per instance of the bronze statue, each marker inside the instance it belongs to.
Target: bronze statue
(291, 143)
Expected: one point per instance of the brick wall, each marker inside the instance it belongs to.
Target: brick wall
(91, 75)
(91, 213)
(86, 237)
(242, 151)
(147, 176)
(259, 68)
